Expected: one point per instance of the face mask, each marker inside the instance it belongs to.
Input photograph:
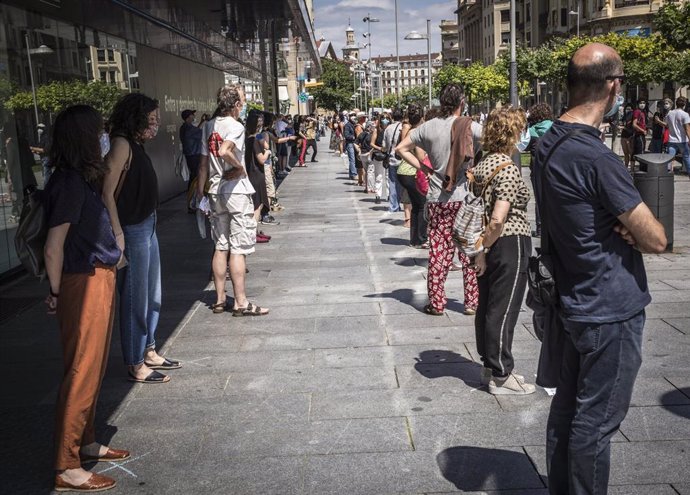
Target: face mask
(524, 141)
(616, 105)
(641, 106)
(243, 112)
(195, 122)
(151, 131)
(385, 122)
(667, 106)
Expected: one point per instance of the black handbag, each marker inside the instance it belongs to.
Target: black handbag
(31, 234)
(542, 295)
(379, 156)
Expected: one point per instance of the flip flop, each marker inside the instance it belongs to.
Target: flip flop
(428, 309)
(249, 310)
(168, 364)
(154, 377)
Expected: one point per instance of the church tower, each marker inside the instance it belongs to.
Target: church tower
(351, 49)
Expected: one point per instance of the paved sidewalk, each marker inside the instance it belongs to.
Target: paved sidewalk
(346, 387)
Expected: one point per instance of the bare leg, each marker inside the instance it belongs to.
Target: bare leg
(407, 208)
(237, 274)
(220, 266)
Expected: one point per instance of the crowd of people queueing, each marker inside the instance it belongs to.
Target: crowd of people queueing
(101, 204)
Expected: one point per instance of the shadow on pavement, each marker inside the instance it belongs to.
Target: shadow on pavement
(668, 401)
(475, 468)
(394, 241)
(442, 363)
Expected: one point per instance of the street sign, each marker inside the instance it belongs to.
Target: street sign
(303, 96)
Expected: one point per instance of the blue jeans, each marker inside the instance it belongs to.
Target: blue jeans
(139, 285)
(600, 364)
(682, 149)
(394, 190)
(350, 150)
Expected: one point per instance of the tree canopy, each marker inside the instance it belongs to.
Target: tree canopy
(338, 86)
(673, 22)
(58, 95)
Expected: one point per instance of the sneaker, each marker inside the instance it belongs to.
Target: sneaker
(485, 377)
(509, 386)
(269, 220)
(470, 311)
(261, 232)
(260, 239)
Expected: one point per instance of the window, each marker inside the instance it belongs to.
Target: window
(505, 16)
(103, 75)
(422, 72)
(528, 12)
(564, 17)
(415, 73)
(101, 54)
(111, 55)
(505, 38)
(111, 76)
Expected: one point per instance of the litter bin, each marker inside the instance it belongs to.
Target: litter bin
(654, 181)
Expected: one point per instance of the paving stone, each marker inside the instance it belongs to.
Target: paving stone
(456, 375)
(311, 380)
(653, 391)
(433, 336)
(682, 488)
(321, 339)
(186, 383)
(657, 423)
(387, 356)
(680, 324)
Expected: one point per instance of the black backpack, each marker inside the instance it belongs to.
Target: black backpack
(32, 232)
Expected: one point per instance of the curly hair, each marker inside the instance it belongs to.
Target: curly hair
(75, 144)
(414, 114)
(539, 113)
(227, 98)
(502, 129)
(451, 97)
(130, 116)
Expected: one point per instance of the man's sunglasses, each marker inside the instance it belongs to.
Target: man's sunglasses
(621, 78)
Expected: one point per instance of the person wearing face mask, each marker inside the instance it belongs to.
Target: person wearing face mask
(639, 125)
(540, 120)
(598, 227)
(130, 193)
(377, 156)
(659, 126)
(350, 136)
(190, 138)
(678, 122)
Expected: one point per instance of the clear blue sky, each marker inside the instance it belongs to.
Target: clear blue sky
(331, 16)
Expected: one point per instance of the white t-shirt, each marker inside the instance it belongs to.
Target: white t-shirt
(390, 141)
(214, 133)
(676, 120)
(280, 127)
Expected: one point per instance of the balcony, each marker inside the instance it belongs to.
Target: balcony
(621, 4)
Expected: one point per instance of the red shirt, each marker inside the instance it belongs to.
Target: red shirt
(641, 118)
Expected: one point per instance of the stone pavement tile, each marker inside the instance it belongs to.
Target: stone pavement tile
(538, 401)
(398, 402)
(654, 423)
(419, 320)
(499, 429)
(319, 340)
(666, 310)
(680, 324)
(522, 350)
(388, 355)
(264, 438)
(682, 488)
(676, 282)
(674, 296)
(656, 391)
(681, 382)
(346, 324)
(186, 383)
(641, 490)
(639, 463)
(322, 311)
(312, 380)
(430, 336)
(414, 306)
(222, 361)
(528, 491)
(368, 474)
(201, 345)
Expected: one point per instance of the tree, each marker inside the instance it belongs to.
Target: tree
(418, 95)
(338, 86)
(58, 95)
(480, 82)
(673, 22)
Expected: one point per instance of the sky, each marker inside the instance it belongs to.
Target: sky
(331, 18)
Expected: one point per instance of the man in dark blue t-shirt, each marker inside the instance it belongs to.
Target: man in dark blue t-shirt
(598, 226)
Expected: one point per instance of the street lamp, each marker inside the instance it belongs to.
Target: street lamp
(368, 19)
(41, 50)
(540, 88)
(414, 35)
(576, 13)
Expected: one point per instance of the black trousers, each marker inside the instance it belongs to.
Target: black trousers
(193, 166)
(418, 224)
(501, 290)
(311, 143)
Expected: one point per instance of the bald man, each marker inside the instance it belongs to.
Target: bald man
(598, 226)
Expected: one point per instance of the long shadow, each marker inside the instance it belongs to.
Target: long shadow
(379, 208)
(442, 363)
(392, 221)
(394, 241)
(31, 361)
(478, 469)
(670, 401)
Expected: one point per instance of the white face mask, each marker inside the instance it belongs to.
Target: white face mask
(641, 106)
(667, 106)
(524, 141)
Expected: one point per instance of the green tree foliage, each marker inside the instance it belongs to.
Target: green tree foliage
(338, 86)
(58, 95)
(480, 82)
(416, 94)
(673, 22)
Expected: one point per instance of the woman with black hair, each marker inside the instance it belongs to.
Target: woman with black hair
(80, 254)
(256, 155)
(130, 192)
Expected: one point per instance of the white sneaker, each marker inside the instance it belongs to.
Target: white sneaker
(485, 377)
(509, 386)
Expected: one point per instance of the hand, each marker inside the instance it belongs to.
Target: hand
(51, 303)
(480, 264)
(623, 231)
(234, 174)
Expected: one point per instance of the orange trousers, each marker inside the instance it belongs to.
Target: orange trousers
(85, 314)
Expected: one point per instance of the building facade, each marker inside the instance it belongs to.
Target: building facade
(414, 71)
(449, 42)
(177, 54)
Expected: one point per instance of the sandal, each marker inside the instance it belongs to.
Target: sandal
(154, 377)
(218, 307)
(429, 309)
(249, 310)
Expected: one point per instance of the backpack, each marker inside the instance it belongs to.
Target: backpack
(31, 234)
(469, 224)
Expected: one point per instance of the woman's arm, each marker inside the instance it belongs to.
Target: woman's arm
(405, 149)
(261, 153)
(658, 121)
(372, 141)
(493, 231)
(54, 253)
(115, 161)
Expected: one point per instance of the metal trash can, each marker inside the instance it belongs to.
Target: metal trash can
(654, 181)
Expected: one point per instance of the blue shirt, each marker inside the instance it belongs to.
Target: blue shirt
(599, 276)
(190, 136)
(90, 239)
